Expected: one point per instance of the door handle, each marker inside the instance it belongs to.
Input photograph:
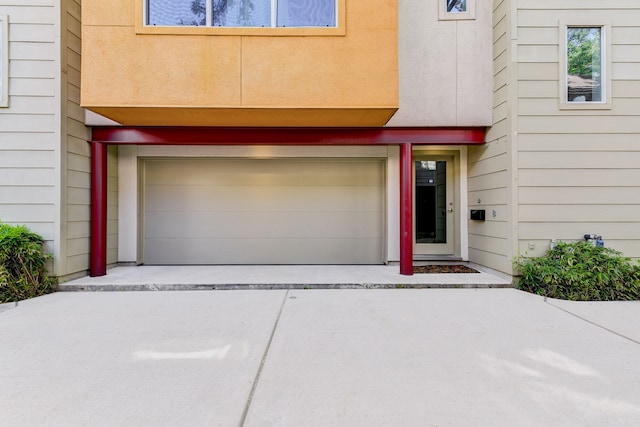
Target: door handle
(450, 210)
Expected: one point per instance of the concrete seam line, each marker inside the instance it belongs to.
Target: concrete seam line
(245, 412)
(594, 323)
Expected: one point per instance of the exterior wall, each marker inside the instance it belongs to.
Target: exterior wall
(490, 170)
(76, 161)
(579, 170)
(444, 66)
(43, 142)
(547, 172)
(29, 127)
(202, 76)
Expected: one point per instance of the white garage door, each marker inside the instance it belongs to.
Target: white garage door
(275, 211)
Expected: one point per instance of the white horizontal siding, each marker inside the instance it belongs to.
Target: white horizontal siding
(490, 259)
(78, 164)
(32, 69)
(42, 33)
(19, 213)
(79, 230)
(22, 12)
(27, 159)
(31, 177)
(30, 126)
(549, 106)
(568, 231)
(488, 177)
(540, 160)
(622, 5)
(624, 17)
(32, 87)
(579, 196)
(602, 177)
(579, 170)
(28, 195)
(596, 142)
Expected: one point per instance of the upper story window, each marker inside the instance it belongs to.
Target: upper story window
(584, 67)
(456, 9)
(241, 13)
(584, 64)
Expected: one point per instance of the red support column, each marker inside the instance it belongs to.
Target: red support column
(406, 209)
(98, 255)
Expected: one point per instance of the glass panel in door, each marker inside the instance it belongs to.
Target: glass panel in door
(433, 204)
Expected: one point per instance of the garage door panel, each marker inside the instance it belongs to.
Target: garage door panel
(264, 225)
(294, 211)
(263, 173)
(281, 198)
(260, 251)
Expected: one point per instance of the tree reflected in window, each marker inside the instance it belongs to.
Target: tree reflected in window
(455, 6)
(242, 13)
(584, 64)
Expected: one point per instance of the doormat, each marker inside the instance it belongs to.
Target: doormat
(443, 268)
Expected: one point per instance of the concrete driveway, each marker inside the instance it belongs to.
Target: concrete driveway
(368, 357)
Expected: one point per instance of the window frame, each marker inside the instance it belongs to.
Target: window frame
(443, 15)
(605, 65)
(338, 30)
(4, 61)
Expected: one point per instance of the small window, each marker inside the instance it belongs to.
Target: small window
(584, 67)
(242, 13)
(456, 9)
(457, 6)
(4, 61)
(584, 64)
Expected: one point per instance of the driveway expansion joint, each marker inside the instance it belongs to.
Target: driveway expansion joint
(593, 323)
(247, 406)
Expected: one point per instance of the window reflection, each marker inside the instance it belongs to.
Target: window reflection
(242, 13)
(584, 64)
(306, 13)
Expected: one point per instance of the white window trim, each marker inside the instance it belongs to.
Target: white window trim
(605, 66)
(4, 60)
(443, 15)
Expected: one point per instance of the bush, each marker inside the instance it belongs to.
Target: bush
(580, 272)
(23, 265)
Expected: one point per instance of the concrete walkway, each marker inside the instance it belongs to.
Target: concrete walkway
(277, 277)
(365, 357)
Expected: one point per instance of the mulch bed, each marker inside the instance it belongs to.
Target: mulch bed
(444, 268)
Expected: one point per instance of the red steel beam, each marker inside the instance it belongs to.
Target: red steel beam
(286, 136)
(98, 255)
(405, 137)
(406, 209)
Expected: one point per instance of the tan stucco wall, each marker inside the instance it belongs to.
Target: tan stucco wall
(350, 78)
(444, 66)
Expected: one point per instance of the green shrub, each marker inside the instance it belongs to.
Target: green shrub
(23, 265)
(580, 272)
